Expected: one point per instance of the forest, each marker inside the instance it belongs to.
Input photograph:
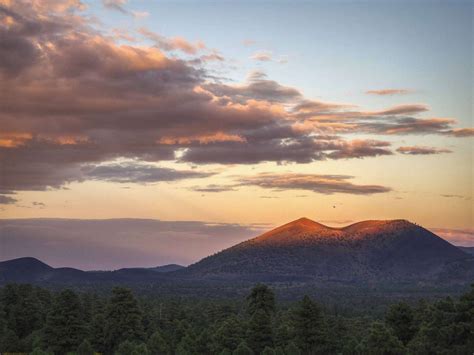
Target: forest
(39, 321)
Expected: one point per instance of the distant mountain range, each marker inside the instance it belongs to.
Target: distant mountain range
(302, 251)
(31, 270)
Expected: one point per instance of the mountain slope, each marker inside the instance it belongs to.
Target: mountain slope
(307, 250)
(469, 250)
(31, 270)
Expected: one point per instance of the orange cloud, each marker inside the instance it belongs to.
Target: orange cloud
(203, 139)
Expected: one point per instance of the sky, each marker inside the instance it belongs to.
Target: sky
(238, 112)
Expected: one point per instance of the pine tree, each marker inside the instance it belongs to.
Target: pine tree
(65, 328)
(260, 331)
(140, 349)
(125, 348)
(204, 344)
(268, 351)
(97, 332)
(243, 349)
(85, 348)
(157, 344)
(229, 334)
(381, 341)
(123, 319)
(261, 298)
(309, 326)
(38, 351)
(187, 345)
(9, 342)
(400, 319)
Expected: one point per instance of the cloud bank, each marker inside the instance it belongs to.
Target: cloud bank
(73, 98)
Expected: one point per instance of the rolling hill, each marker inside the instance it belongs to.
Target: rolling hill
(32, 270)
(305, 250)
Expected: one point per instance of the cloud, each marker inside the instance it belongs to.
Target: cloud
(172, 44)
(262, 56)
(460, 132)
(324, 184)
(359, 149)
(267, 56)
(74, 98)
(7, 200)
(313, 106)
(388, 92)
(403, 110)
(417, 150)
(138, 173)
(456, 196)
(407, 125)
(258, 87)
(461, 237)
(214, 188)
(122, 242)
(117, 5)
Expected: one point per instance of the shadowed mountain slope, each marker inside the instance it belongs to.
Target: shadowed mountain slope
(31, 270)
(394, 250)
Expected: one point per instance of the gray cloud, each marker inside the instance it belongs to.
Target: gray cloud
(407, 125)
(117, 5)
(7, 200)
(359, 149)
(456, 196)
(418, 150)
(257, 88)
(138, 173)
(460, 132)
(325, 184)
(214, 188)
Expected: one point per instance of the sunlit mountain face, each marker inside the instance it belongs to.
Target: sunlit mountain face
(245, 116)
(305, 250)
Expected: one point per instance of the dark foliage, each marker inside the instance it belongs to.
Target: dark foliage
(40, 322)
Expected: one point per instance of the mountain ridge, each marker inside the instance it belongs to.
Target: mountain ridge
(302, 250)
(305, 249)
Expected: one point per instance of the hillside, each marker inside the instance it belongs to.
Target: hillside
(305, 250)
(469, 250)
(31, 270)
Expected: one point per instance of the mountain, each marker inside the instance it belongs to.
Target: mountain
(305, 250)
(31, 270)
(302, 251)
(168, 268)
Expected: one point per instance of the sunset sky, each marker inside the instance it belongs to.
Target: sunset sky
(238, 112)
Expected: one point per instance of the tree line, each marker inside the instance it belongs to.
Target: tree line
(37, 321)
